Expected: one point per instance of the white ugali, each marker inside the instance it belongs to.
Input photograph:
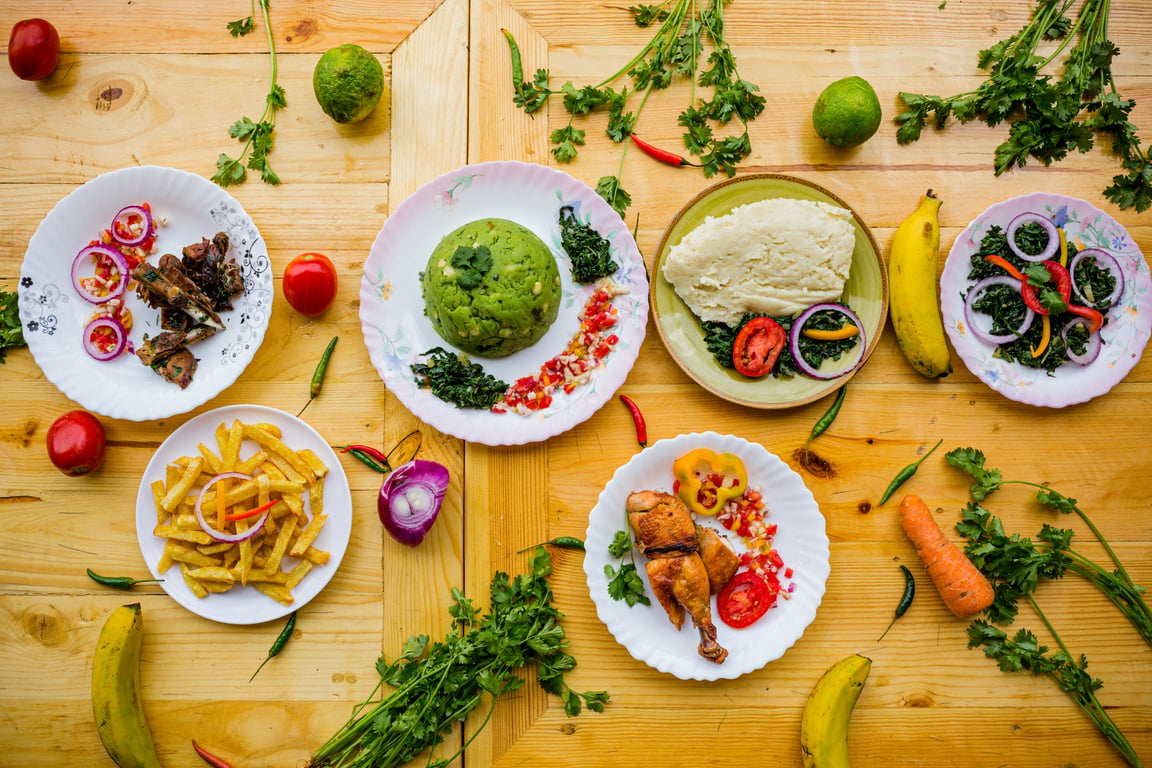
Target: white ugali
(775, 257)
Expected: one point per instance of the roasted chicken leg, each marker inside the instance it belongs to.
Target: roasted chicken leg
(666, 534)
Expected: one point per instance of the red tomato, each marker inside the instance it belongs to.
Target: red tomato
(310, 282)
(744, 599)
(33, 49)
(757, 347)
(76, 443)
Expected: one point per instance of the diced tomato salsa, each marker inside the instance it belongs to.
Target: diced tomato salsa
(747, 518)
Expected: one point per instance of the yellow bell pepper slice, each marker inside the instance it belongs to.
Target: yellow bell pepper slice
(706, 480)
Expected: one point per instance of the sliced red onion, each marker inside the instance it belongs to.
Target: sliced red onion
(970, 314)
(1093, 349)
(220, 535)
(794, 342)
(1049, 229)
(82, 260)
(410, 500)
(118, 334)
(1106, 261)
(125, 219)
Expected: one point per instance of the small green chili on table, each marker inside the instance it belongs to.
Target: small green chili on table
(320, 372)
(825, 421)
(119, 582)
(903, 475)
(905, 599)
(277, 644)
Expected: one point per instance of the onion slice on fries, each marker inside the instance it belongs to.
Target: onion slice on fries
(220, 535)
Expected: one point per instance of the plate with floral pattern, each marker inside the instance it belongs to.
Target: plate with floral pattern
(1128, 322)
(398, 334)
(53, 314)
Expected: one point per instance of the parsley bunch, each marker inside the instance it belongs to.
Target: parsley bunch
(11, 332)
(685, 28)
(437, 685)
(257, 136)
(624, 582)
(1049, 116)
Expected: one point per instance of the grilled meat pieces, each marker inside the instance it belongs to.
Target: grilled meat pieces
(666, 534)
(719, 559)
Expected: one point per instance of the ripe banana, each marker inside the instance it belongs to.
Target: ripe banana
(116, 699)
(914, 301)
(824, 727)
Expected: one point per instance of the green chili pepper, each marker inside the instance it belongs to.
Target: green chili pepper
(529, 96)
(277, 644)
(825, 421)
(565, 542)
(321, 371)
(370, 456)
(119, 582)
(905, 600)
(906, 473)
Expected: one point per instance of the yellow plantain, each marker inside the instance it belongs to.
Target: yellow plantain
(914, 301)
(116, 701)
(824, 726)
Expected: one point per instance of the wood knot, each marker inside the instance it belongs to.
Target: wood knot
(48, 629)
(864, 507)
(112, 95)
(302, 30)
(567, 729)
(814, 464)
(918, 701)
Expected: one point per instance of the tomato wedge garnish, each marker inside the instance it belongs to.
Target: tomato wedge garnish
(758, 346)
(745, 598)
(1061, 283)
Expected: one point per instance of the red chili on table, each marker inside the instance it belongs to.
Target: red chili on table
(208, 757)
(637, 419)
(663, 155)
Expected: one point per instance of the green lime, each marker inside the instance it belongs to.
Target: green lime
(847, 112)
(348, 82)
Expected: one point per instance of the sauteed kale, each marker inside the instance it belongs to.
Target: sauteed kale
(719, 338)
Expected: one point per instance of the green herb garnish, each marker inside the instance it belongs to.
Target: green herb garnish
(11, 332)
(719, 339)
(624, 582)
(473, 262)
(454, 379)
(1049, 116)
(257, 136)
(588, 251)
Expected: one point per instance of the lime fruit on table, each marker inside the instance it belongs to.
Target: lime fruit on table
(348, 82)
(847, 112)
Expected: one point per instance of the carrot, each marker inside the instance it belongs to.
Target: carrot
(965, 590)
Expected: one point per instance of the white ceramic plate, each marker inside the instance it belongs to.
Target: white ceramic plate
(53, 315)
(801, 540)
(392, 311)
(1124, 337)
(244, 605)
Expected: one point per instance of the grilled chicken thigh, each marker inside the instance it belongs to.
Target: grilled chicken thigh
(666, 534)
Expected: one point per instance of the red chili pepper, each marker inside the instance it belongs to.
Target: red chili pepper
(208, 757)
(1095, 319)
(638, 419)
(663, 155)
(252, 512)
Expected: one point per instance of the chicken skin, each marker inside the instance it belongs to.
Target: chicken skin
(719, 559)
(666, 534)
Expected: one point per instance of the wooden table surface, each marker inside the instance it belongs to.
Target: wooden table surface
(180, 80)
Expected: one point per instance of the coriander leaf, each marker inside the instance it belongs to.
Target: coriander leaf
(646, 15)
(625, 584)
(971, 461)
(621, 544)
(608, 187)
(566, 139)
(241, 27)
(473, 263)
(11, 332)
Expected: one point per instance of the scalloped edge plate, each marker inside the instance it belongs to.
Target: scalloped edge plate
(1124, 337)
(53, 315)
(397, 333)
(866, 292)
(645, 631)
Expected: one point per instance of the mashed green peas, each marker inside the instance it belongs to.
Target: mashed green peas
(491, 288)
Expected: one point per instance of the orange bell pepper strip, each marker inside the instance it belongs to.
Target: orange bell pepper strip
(706, 480)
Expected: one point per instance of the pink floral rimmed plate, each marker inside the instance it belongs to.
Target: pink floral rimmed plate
(1124, 336)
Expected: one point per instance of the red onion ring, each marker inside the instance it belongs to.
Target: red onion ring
(117, 331)
(1049, 228)
(97, 251)
(794, 342)
(219, 535)
(125, 216)
(1106, 261)
(970, 313)
(1093, 349)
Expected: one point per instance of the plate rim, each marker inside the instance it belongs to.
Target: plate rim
(657, 278)
(430, 410)
(593, 565)
(166, 407)
(146, 511)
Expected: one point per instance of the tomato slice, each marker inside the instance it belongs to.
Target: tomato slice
(758, 346)
(745, 598)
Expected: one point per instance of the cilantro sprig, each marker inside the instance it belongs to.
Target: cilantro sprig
(1049, 117)
(437, 684)
(256, 135)
(720, 97)
(624, 582)
(11, 332)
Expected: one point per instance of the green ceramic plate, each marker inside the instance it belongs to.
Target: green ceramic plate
(866, 292)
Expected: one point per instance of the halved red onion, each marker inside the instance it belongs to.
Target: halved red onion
(794, 342)
(1049, 228)
(90, 252)
(970, 314)
(1093, 348)
(410, 500)
(120, 338)
(220, 535)
(1106, 261)
(135, 220)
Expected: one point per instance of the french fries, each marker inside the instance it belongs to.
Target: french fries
(274, 560)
